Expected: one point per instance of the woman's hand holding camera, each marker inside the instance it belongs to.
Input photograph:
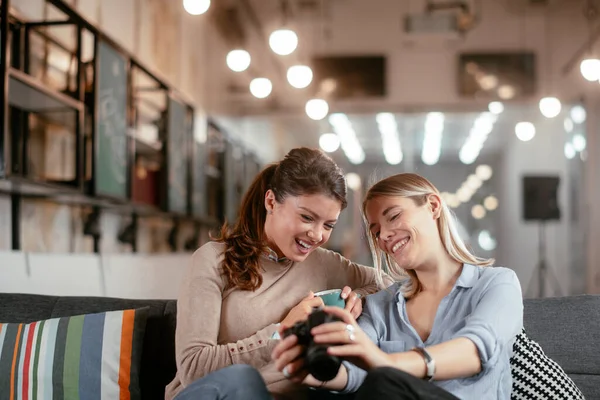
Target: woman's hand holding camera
(301, 311)
(289, 360)
(349, 342)
(345, 339)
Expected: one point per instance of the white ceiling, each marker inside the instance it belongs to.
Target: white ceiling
(420, 77)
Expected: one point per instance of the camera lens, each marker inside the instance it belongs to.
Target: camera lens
(321, 365)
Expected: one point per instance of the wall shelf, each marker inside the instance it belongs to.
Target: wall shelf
(27, 93)
(96, 105)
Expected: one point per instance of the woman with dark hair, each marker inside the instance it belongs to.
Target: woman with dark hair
(262, 273)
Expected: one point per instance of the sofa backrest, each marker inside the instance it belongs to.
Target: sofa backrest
(567, 328)
(158, 354)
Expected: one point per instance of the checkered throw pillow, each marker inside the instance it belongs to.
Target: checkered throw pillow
(536, 376)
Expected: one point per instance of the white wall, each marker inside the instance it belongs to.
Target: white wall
(5, 223)
(518, 242)
(125, 276)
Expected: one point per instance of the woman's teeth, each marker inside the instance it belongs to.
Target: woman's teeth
(399, 245)
(303, 244)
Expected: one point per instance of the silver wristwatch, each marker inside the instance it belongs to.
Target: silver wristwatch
(429, 362)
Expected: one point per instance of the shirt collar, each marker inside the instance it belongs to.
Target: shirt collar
(467, 279)
(271, 254)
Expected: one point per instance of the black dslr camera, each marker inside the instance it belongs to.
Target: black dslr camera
(319, 364)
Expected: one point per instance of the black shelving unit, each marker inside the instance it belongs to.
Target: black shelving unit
(80, 107)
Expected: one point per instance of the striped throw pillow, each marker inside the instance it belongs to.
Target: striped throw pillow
(94, 356)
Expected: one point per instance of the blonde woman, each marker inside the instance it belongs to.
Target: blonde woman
(445, 330)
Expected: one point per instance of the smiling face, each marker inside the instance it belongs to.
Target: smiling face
(300, 224)
(405, 228)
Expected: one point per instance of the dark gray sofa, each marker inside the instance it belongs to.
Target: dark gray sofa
(567, 328)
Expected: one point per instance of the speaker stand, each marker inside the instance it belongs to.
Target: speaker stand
(542, 272)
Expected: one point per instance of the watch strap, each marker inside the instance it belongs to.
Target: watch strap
(429, 362)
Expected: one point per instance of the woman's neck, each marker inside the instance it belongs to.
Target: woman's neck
(439, 274)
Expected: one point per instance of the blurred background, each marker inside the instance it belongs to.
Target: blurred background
(133, 127)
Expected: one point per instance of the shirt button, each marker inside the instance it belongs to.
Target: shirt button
(241, 348)
(260, 342)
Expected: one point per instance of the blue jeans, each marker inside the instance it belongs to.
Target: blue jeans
(238, 381)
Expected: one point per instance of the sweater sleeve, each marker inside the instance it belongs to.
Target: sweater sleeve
(343, 272)
(198, 322)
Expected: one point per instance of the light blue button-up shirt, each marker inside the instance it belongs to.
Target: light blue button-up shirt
(485, 306)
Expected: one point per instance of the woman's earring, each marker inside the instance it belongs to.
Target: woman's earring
(269, 211)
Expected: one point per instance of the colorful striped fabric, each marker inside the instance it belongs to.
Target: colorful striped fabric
(87, 357)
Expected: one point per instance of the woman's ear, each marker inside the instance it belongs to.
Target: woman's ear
(434, 202)
(270, 201)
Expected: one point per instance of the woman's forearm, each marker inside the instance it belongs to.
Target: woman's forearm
(456, 358)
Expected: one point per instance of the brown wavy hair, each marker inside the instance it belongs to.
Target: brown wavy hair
(303, 171)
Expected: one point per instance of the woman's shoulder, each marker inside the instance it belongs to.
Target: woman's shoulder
(210, 249)
(324, 257)
(208, 258)
(385, 295)
(330, 258)
(497, 275)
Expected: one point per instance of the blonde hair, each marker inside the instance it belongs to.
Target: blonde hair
(417, 188)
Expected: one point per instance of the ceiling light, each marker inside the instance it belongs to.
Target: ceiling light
(317, 109)
(483, 172)
(238, 60)
(486, 241)
(491, 203)
(196, 7)
(579, 142)
(478, 212)
(464, 194)
(506, 92)
(568, 124)
(550, 107)
(496, 107)
(452, 201)
(348, 141)
(578, 114)
(329, 142)
(261, 87)
(569, 151)
(474, 182)
(525, 131)
(390, 141)
(590, 69)
(432, 140)
(299, 76)
(488, 82)
(283, 41)
(353, 181)
(482, 127)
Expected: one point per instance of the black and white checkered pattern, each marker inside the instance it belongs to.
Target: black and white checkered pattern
(536, 376)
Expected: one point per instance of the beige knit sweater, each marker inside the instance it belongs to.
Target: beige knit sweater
(217, 327)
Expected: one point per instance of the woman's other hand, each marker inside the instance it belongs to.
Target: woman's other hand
(353, 302)
(349, 342)
(288, 357)
(302, 310)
